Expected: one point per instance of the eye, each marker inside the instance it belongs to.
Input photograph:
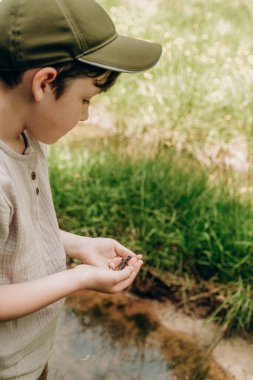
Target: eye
(86, 101)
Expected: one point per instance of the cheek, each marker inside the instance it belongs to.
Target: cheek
(68, 116)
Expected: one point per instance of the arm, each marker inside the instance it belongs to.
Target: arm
(19, 300)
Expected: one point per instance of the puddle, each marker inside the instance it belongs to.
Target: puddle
(119, 337)
(93, 353)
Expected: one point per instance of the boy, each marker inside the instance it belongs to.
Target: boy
(55, 55)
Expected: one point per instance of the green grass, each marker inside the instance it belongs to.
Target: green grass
(165, 208)
(236, 311)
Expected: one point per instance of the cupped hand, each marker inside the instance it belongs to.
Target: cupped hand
(105, 252)
(104, 280)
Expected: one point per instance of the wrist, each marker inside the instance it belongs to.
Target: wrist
(74, 248)
(73, 244)
(80, 248)
(81, 277)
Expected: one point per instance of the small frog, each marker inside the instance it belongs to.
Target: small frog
(124, 262)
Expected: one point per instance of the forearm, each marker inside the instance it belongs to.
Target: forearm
(19, 300)
(72, 243)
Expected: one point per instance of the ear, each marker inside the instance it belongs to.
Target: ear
(41, 82)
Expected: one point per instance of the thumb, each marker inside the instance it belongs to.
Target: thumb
(126, 281)
(123, 251)
(124, 274)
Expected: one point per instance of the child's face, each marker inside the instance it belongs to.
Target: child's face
(53, 118)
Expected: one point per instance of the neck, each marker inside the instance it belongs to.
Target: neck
(11, 125)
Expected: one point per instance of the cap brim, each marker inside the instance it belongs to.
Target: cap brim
(125, 54)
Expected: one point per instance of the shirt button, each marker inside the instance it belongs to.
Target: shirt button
(37, 190)
(33, 175)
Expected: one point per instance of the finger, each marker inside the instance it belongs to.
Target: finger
(116, 261)
(124, 274)
(123, 251)
(132, 261)
(111, 266)
(128, 281)
(124, 284)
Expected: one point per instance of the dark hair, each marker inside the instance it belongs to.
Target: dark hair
(66, 72)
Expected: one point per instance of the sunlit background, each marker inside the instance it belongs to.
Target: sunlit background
(199, 98)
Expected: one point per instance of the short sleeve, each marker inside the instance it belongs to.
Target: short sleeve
(5, 218)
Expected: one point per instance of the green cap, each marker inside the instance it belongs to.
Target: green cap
(37, 33)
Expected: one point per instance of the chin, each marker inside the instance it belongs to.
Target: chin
(48, 140)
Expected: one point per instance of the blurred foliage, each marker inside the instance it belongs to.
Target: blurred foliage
(199, 97)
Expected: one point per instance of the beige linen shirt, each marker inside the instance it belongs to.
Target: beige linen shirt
(30, 248)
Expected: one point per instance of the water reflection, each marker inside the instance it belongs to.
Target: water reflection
(105, 337)
(85, 350)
